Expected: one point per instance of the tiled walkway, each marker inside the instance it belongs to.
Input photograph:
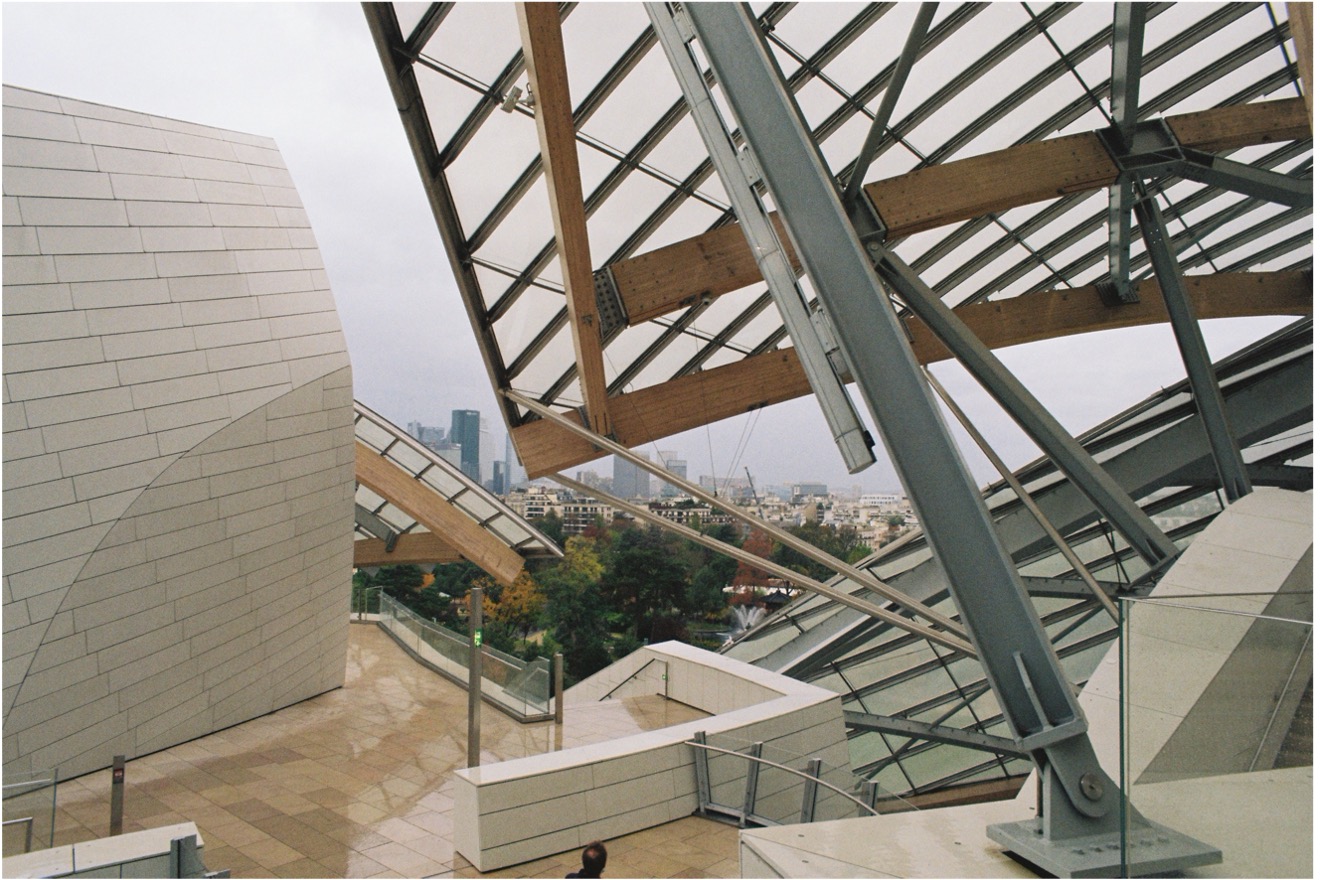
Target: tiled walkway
(355, 783)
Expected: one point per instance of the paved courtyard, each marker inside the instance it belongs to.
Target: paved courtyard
(356, 782)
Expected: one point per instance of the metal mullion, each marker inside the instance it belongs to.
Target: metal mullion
(425, 28)
(1283, 247)
(670, 333)
(721, 339)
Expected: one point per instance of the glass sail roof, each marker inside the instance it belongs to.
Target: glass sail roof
(989, 76)
(882, 671)
(441, 478)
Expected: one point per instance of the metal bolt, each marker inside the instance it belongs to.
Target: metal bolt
(1092, 786)
(873, 247)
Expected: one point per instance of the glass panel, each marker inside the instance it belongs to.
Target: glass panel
(29, 811)
(1216, 724)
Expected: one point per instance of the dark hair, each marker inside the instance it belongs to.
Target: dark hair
(593, 859)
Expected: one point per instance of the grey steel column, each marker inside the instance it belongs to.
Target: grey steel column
(474, 679)
(117, 796)
(1124, 86)
(1205, 387)
(559, 688)
(1036, 697)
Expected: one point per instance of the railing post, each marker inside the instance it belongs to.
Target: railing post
(753, 776)
(474, 678)
(870, 788)
(809, 791)
(702, 763)
(559, 688)
(117, 796)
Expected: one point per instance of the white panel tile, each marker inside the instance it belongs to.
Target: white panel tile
(195, 287)
(23, 122)
(113, 294)
(293, 218)
(190, 412)
(46, 355)
(34, 153)
(186, 213)
(245, 215)
(174, 391)
(72, 212)
(278, 260)
(201, 168)
(31, 499)
(254, 155)
(20, 241)
(270, 176)
(136, 161)
(90, 240)
(134, 319)
(147, 342)
(305, 324)
(104, 267)
(74, 434)
(267, 283)
(237, 356)
(190, 238)
(119, 134)
(236, 333)
(160, 367)
(23, 444)
(75, 107)
(103, 456)
(229, 193)
(189, 144)
(17, 97)
(195, 263)
(68, 518)
(253, 377)
(284, 197)
(146, 188)
(255, 238)
(30, 270)
(183, 439)
(83, 405)
(61, 381)
(221, 311)
(113, 480)
(57, 182)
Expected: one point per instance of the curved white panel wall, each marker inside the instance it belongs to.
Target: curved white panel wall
(178, 440)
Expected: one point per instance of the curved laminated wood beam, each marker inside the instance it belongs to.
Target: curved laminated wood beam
(721, 392)
(436, 514)
(419, 549)
(719, 261)
(547, 74)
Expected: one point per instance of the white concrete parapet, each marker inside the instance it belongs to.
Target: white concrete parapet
(518, 810)
(136, 854)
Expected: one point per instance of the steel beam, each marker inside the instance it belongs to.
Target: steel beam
(1269, 186)
(934, 732)
(1039, 424)
(849, 434)
(880, 123)
(1196, 359)
(1124, 87)
(1038, 701)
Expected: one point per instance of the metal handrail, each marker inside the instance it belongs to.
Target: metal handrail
(808, 779)
(27, 839)
(643, 668)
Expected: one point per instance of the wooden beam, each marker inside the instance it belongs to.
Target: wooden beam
(543, 50)
(438, 516)
(719, 261)
(1302, 27)
(410, 549)
(721, 392)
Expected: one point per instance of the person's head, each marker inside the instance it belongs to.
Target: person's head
(593, 859)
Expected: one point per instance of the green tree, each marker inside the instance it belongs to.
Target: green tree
(551, 526)
(456, 578)
(575, 610)
(645, 580)
(842, 543)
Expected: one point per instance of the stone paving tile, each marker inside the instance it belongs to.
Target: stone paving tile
(356, 783)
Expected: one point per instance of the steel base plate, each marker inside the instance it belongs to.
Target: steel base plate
(1151, 849)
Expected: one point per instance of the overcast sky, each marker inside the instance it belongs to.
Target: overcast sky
(308, 75)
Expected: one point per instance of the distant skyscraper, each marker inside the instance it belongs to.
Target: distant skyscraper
(488, 454)
(499, 481)
(465, 430)
(677, 467)
(630, 481)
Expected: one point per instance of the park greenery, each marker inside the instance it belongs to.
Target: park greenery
(618, 586)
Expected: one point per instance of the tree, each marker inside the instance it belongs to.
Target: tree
(759, 543)
(843, 543)
(551, 526)
(520, 604)
(644, 579)
(574, 609)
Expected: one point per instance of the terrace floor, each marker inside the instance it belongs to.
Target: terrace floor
(356, 782)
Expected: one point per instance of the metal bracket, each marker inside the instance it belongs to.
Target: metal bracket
(609, 304)
(825, 330)
(1147, 149)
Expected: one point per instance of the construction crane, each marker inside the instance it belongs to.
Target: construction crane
(752, 483)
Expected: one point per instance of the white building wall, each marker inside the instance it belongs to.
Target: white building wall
(178, 441)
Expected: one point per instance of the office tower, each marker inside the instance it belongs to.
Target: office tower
(465, 430)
